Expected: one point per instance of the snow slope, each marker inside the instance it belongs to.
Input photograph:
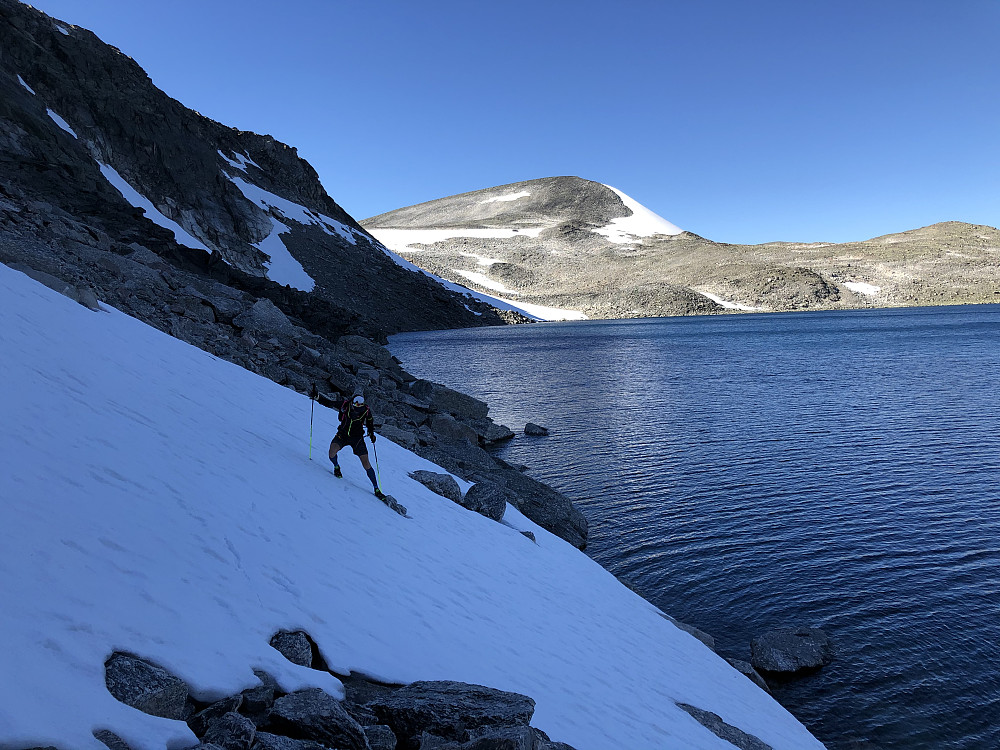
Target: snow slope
(158, 500)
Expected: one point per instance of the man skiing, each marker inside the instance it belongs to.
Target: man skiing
(355, 417)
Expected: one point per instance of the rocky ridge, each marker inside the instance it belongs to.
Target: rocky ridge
(552, 242)
(76, 114)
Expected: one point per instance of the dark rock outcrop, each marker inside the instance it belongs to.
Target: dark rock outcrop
(535, 430)
(487, 499)
(147, 687)
(294, 646)
(314, 715)
(790, 650)
(231, 731)
(450, 710)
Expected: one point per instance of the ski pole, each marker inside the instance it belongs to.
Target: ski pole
(312, 408)
(377, 474)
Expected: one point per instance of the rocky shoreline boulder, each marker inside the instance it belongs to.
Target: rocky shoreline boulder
(790, 650)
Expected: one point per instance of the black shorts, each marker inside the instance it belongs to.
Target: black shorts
(357, 444)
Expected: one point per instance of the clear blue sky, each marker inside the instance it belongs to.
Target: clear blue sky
(741, 121)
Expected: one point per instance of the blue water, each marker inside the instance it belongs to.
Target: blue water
(838, 470)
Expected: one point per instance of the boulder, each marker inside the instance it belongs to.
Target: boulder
(535, 430)
(314, 715)
(380, 737)
(443, 484)
(294, 646)
(406, 438)
(202, 720)
(145, 686)
(448, 400)
(366, 350)
(490, 432)
(790, 650)
(449, 430)
(265, 319)
(232, 732)
(449, 710)
(487, 499)
(258, 700)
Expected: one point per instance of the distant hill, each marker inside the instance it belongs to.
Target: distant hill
(571, 243)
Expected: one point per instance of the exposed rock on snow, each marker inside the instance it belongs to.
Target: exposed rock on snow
(729, 733)
(294, 646)
(147, 687)
(486, 499)
(443, 484)
(790, 650)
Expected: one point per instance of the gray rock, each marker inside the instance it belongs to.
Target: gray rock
(314, 715)
(746, 668)
(380, 737)
(264, 318)
(294, 646)
(231, 731)
(448, 400)
(406, 438)
(731, 734)
(145, 686)
(487, 499)
(790, 650)
(202, 720)
(449, 710)
(448, 429)
(530, 535)
(366, 350)
(268, 741)
(490, 432)
(535, 430)
(443, 484)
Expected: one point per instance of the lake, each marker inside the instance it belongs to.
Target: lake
(746, 472)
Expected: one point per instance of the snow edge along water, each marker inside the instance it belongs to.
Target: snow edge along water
(159, 500)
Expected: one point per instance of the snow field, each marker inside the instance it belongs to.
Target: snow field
(160, 501)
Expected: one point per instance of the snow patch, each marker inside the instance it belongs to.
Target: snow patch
(482, 260)
(152, 212)
(240, 162)
(642, 223)
(485, 281)
(62, 29)
(860, 287)
(282, 266)
(505, 198)
(726, 304)
(30, 90)
(294, 211)
(60, 122)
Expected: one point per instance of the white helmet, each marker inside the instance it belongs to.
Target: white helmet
(358, 399)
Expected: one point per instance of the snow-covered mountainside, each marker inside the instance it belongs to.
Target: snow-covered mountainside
(92, 154)
(564, 247)
(161, 502)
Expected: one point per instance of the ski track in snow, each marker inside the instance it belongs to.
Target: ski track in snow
(160, 501)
